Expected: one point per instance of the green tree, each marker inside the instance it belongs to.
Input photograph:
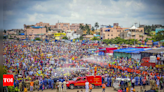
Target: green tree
(46, 28)
(81, 37)
(159, 36)
(95, 38)
(37, 39)
(93, 29)
(96, 25)
(87, 28)
(82, 27)
(65, 37)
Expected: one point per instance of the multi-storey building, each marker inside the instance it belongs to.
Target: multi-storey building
(125, 33)
(76, 26)
(43, 24)
(63, 26)
(34, 31)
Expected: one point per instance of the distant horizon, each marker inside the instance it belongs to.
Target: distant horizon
(83, 23)
(16, 13)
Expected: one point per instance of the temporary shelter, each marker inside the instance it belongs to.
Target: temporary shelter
(129, 53)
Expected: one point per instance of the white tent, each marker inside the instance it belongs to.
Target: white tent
(133, 27)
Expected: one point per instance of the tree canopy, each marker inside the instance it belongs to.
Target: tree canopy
(96, 25)
(95, 38)
(65, 37)
(119, 40)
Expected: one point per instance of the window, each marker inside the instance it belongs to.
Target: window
(84, 79)
(133, 35)
(108, 38)
(111, 34)
(141, 30)
(108, 34)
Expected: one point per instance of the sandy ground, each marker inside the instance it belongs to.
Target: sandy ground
(108, 89)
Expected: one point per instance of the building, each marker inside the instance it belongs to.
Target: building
(42, 24)
(88, 37)
(63, 26)
(115, 24)
(16, 33)
(34, 31)
(157, 25)
(125, 33)
(158, 30)
(52, 26)
(76, 26)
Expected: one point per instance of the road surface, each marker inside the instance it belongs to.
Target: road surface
(108, 89)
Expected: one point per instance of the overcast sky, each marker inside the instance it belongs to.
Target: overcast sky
(16, 13)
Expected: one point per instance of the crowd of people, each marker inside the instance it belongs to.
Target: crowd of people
(51, 64)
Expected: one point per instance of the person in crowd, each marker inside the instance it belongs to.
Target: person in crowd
(120, 90)
(31, 86)
(144, 82)
(60, 86)
(64, 86)
(133, 82)
(57, 86)
(141, 90)
(103, 87)
(40, 84)
(87, 86)
(25, 89)
(90, 87)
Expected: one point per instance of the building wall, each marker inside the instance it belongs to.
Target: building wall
(42, 24)
(75, 26)
(36, 31)
(32, 32)
(11, 32)
(115, 32)
(52, 26)
(63, 26)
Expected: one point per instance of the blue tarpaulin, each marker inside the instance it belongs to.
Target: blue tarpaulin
(101, 53)
(37, 27)
(21, 33)
(156, 43)
(131, 50)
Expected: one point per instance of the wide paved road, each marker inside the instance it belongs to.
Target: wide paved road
(108, 89)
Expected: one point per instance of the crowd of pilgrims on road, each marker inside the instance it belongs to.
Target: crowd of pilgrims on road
(30, 62)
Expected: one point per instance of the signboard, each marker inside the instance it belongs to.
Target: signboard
(59, 34)
(162, 58)
(153, 59)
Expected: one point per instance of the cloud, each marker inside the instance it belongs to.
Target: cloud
(124, 12)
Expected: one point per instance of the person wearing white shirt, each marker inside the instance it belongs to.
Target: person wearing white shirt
(87, 86)
(133, 82)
